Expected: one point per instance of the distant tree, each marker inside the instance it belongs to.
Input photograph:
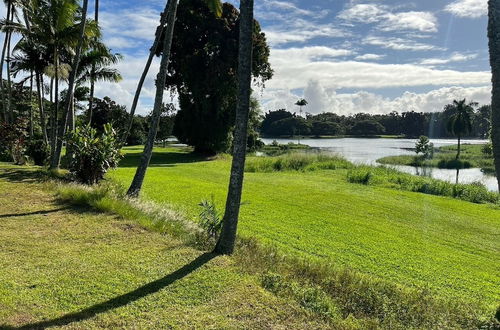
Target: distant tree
(271, 117)
(460, 122)
(290, 126)
(166, 123)
(482, 122)
(424, 147)
(106, 111)
(367, 127)
(494, 49)
(326, 128)
(301, 103)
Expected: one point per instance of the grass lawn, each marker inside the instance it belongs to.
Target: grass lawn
(449, 246)
(471, 154)
(72, 267)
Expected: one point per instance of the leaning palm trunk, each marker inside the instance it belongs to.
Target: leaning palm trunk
(5, 112)
(43, 122)
(494, 47)
(92, 75)
(152, 52)
(136, 185)
(31, 106)
(227, 240)
(8, 99)
(56, 157)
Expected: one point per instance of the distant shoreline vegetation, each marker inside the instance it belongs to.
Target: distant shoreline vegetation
(410, 124)
(473, 156)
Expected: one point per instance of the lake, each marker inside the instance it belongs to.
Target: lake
(367, 151)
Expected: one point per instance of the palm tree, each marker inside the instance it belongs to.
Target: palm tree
(301, 103)
(92, 79)
(5, 58)
(214, 5)
(227, 239)
(168, 18)
(460, 122)
(494, 48)
(136, 185)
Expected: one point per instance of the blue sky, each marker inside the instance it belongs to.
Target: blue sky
(342, 56)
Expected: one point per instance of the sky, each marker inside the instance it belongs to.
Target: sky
(342, 56)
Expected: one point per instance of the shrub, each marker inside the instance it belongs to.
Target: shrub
(296, 162)
(454, 164)
(13, 141)
(210, 218)
(424, 147)
(38, 151)
(91, 155)
(487, 149)
(360, 175)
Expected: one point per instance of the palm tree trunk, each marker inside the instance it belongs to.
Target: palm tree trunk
(43, 122)
(31, 106)
(152, 53)
(8, 109)
(227, 239)
(136, 185)
(459, 146)
(494, 48)
(92, 75)
(2, 62)
(56, 159)
(55, 111)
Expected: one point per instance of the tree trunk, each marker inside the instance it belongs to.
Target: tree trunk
(136, 185)
(56, 159)
(43, 122)
(92, 75)
(55, 111)
(227, 239)
(494, 48)
(459, 146)
(159, 30)
(9, 110)
(2, 62)
(31, 106)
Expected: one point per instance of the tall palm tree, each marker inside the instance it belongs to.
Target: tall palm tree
(92, 79)
(214, 5)
(168, 18)
(494, 48)
(301, 103)
(5, 58)
(227, 239)
(460, 122)
(136, 185)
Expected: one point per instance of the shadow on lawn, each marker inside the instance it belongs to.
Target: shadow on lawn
(122, 300)
(163, 159)
(22, 175)
(43, 212)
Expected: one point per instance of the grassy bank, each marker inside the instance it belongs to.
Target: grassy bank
(410, 239)
(66, 265)
(444, 157)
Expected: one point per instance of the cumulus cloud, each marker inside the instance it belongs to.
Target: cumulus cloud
(369, 57)
(389, 21)
(468, 8)
(456, 57)
(322, 99)
(396, 43)
(295, 67)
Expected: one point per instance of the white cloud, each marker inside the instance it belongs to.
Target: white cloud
(389, 21)
(322, 99)
(396, 43)
(468, 8)
(301, 31)
(456, 57)
(369, 57)
(295, 67)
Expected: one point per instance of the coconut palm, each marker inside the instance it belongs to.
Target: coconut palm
(168, 19)
(460, 122)
(227, 239)
(494, 48)
(92, 79)
(5, 58)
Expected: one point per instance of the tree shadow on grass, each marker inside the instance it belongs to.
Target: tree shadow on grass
(122, 300)
(42, 212)
(163, 159)
(23, 175)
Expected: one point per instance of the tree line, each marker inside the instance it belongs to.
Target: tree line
(410, 123)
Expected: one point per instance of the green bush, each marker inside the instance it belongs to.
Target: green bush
(91, 156)
(38, 151)
(296, 162)
(454, 164)
(360, 175)
(210, 218)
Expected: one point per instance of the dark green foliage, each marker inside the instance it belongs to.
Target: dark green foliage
(454, 164)
(203, 74)
(360, 175)
(296, 162)
(367, 127)
(326, 128)
(92, 154)
(38, 151)
(290, 126)
(137, 135)
(210, 218)
(487, 150)
(13, 138)
(106, 111)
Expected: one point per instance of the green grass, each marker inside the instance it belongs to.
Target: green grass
(445, 157)
(70, 266)
(447, 246)
(296, 162)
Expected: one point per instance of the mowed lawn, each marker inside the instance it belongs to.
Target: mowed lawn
(71, 267)
(449, 246)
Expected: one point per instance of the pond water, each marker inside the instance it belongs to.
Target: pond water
(367, 151)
